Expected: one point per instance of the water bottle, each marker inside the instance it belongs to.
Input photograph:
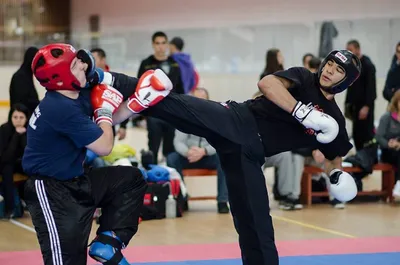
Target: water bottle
(2, 207)
(170, 207)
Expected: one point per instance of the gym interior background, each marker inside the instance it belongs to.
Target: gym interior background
(227, 41)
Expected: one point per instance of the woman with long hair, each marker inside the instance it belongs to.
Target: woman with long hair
(12, 146)
(273, 62)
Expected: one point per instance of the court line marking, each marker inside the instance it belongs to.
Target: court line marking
(280, 218)
(311, 226)
(24, 226)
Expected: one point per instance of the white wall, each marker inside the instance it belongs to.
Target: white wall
(215, 13)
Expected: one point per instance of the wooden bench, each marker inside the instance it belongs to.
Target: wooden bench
(200, 173)
(17, 177)
(388, 181)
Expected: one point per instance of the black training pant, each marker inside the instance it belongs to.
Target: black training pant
(363, 130)
(232, 130)
(159, 130)
(62, 211)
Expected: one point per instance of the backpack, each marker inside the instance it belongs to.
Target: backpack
(156, 196)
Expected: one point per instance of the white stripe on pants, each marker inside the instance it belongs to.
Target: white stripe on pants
(51, 226)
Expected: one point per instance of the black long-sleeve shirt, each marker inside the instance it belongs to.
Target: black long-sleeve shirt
(363, 91)
(392, 83)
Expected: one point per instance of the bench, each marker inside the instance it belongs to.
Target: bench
(17, 177)
(388, 181)
(200, 173)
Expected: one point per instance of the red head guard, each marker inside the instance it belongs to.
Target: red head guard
(52, 67)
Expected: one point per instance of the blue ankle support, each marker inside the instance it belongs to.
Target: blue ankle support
(106, 248)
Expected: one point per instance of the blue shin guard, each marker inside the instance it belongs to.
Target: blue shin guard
(106, 248)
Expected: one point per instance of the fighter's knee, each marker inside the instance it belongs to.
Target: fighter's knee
(106, 248)
(135, 177)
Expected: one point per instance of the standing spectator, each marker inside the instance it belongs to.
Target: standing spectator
(12, 145)
(159, 130)
(392, 83)
(189, 75)
(273, 62)
(306, 60)
(313, 64)
(101, 62)
(360, 99)
(22, 88)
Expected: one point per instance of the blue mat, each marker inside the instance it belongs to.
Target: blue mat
(354, 259)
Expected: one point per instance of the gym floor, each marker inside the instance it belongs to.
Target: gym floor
(362, 233)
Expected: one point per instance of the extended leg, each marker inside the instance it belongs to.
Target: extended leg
(197, 116)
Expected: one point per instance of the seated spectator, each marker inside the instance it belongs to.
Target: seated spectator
(388, 137)
(195, 152)
(12, 145)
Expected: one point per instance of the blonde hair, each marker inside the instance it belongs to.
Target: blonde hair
(393, 106)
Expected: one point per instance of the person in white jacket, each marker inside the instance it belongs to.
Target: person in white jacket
(192, 151)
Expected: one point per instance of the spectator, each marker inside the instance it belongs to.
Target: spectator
(388, 137)
(100, 58)
(12, 145)
(22, 88)
(101, 62)
(195, 152)
(360, 99)
(392, 83)
(306, 60)
(273, 62)
(159, 130)
(189, 76)
(314, 64)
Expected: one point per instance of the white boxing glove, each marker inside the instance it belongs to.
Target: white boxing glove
(325, 126)
(342, 185)
(153, 86)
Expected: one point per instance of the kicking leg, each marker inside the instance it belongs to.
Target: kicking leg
(119, 191)
(197, 116)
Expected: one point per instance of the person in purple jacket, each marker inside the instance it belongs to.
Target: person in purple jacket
(189, 75)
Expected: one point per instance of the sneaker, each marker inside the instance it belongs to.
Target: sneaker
(396, 189)
(290, 204)
(337, 204)
(223, 208)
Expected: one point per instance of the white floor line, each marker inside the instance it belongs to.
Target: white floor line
(24, 226)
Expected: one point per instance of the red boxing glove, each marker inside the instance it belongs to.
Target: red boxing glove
(105, 101)
(152, 87)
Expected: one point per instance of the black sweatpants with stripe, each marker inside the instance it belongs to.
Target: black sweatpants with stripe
(62, 211)
(232, 130)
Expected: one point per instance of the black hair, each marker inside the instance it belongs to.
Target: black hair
(271, 62)
(21, 108)
(101, 52)
(355, 43)
(158, 34)
(314, 63)
(306, 55)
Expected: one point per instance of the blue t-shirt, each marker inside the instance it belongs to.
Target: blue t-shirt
(57, 134)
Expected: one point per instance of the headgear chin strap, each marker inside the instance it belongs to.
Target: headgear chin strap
(350, 63)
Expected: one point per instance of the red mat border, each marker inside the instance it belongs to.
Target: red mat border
(231, 250)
